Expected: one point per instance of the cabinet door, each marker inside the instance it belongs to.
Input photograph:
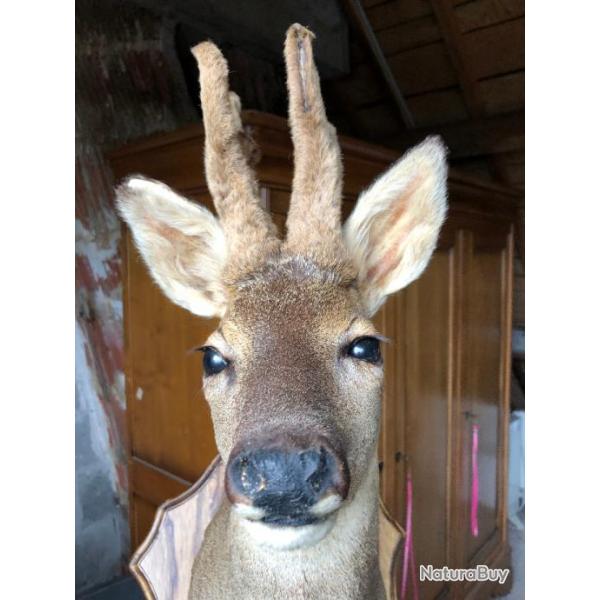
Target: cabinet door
(428, 341)
(485, 343)
(416, 408)
(448, 359)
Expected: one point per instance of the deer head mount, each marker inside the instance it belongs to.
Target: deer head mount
(293, 374)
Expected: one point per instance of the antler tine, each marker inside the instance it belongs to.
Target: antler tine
(313, 223)
(249, 229)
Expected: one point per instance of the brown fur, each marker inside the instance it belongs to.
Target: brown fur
(289, 312)
(250, 232)
(313, 223)
(284, 382)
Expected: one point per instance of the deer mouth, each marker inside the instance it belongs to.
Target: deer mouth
(290, 531)
(286, 533)
(290, 520)
(309, 515)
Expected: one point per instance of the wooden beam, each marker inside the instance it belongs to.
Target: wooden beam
(359, 16)
(494, 50)
(444, 13)
(477, 137)
(395, 12)
(485, 13)
(461, 61)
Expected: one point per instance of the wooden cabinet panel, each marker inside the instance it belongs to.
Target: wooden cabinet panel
(426, 413)
(485, 342)
(390, 322)
(141, 515)
(150, 486)
(446, 363)
(482, 395)
(169, 421)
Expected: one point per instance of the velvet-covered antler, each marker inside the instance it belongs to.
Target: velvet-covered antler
(313, 223)
(250, 232)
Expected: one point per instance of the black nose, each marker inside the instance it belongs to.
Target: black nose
(285, 482)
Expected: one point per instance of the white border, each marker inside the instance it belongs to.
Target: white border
(37, 325)
(563, 360)
(563, 302)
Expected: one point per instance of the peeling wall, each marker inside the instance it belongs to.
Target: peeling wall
(128, 85)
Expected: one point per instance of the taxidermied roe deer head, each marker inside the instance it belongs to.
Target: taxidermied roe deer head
(293, 374)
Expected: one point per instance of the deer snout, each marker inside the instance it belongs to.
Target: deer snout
(287, 486)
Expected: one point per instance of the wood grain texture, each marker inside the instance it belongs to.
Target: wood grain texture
(438, 107)
(389, 14)
(482, 393)
(425, 418)
(508, 42)
(423, 69)
(503, 93)
(355, 9)
(389, 321)
(486, 13)
(406, 36)
(163, 564)
(391, 536)
(169, 418)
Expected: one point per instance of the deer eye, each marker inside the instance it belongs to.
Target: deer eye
(213, 361)
(365, 348)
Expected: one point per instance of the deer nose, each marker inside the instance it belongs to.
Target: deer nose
(290, 487)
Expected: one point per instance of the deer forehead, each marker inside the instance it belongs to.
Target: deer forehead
(290, 304)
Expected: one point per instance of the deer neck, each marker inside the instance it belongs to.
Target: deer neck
(342, 565)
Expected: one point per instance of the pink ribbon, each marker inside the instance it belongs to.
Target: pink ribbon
(408, 560)
(474, 480)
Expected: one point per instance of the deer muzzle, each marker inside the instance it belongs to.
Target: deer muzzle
(289, 484)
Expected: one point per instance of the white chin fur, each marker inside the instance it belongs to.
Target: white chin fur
(287, 538)
(249, 512)
(326, 505)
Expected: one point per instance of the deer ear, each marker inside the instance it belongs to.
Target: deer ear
(181, 242)
(393, 230)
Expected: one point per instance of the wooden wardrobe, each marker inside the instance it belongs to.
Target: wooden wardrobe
(447, 367)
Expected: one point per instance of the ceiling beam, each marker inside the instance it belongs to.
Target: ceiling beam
(468, 139)
(358, 15)
(453, 38)
(467, 78)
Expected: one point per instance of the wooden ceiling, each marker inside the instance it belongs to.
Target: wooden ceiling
(459, 67)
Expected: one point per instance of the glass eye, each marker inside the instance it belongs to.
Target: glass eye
(365, 348)
(213, 361)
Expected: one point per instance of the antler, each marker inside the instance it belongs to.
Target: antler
(313, 223)
(250, 232)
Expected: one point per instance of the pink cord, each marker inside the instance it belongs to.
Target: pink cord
(474, 481)
(409, 553)
(413, 570)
